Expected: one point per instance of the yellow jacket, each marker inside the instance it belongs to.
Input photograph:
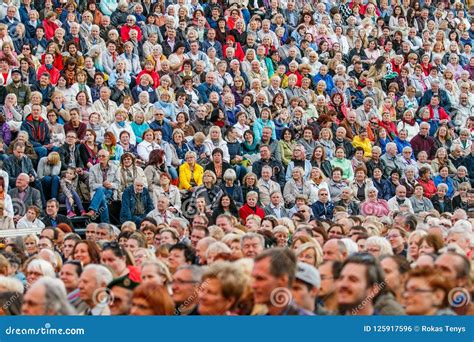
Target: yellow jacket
(365, 144)
(185, 175)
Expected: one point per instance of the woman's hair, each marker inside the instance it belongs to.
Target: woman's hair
(53, 158)
(231, 279)
(382, 243)
(157, 297)
(318, 252)
(111, 136)
(156, 157)
(433, 241)
(92, 248)
(435, 280)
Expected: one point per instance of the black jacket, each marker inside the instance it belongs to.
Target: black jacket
(59, 219)
(66, 157)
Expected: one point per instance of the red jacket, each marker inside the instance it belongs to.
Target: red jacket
(125, 32)
(53, 73)
(239, 53)
(442, 113)
(49, 28)
(154, 76)
(245, 211)
(429, 188)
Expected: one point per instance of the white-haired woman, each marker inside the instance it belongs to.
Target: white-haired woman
(214, 140)
(373, 206)
(12, 112)
(296, 186)
(299, 158)
(378, 246)
(38, 268)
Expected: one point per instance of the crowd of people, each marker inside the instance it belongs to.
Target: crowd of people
(236, 157)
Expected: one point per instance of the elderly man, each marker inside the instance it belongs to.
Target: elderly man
(276, 207)
(121, 291)
(423, 142)
(25, 195)
(400, 199)
(267, 186)
(206, 88)
(136, 202)
(185, 283)
(47, 297)
(92, 290)
(103, 183)
(390, 160)
(161, 213)
(252, 244)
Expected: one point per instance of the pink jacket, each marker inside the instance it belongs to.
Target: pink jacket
(378, 208)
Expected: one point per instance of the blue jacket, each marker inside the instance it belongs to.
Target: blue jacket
(327, 78)
(448, 181)
(205, 89)
(165, 128)
(258, 128)
(401, 144)
(129, 202)
(323, 211)
(383, 188)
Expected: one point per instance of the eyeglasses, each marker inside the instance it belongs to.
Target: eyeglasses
(102, 156)
(416, 291)
(183, 282)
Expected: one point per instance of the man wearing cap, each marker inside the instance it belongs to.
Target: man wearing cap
(306, 287)
(17, 87)
(121, 290)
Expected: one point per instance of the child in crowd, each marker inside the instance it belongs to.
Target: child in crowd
(69, 194)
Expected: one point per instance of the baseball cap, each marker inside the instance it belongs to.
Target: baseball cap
(16, 70)
(308, 274)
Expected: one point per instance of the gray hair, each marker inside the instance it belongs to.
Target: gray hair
(102, 274)
(229, 174)
(369, 189)
(196, 272)
(218, 247)
(56, 302)
(385, 247)
(249, 236)
(42, 266)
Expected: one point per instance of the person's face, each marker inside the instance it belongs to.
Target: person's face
(149, 274)
(81, 253)
(87, 285)
(109, 259)
(52, 209)
(393, 278)
(176, 258)
(352, 287)
(308, 256)
(69, 276)
(183, 287)
(420, 299)
(211, 299)
(34, 302)
(395, 238)
(67, 248)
